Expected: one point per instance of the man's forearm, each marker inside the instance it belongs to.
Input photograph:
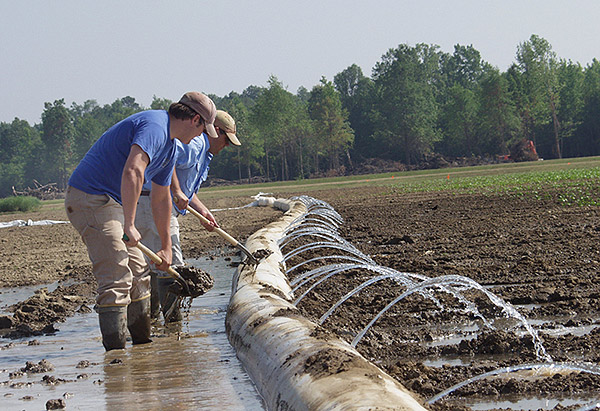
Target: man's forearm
(131, 186)
(161, 211)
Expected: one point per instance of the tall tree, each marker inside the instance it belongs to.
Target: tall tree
(590, 125)
(237, 162)
(159, 103)
(357, 94)
(88, 127)
(458, 120)
(332, 131)
(571, 79)
(539, 66)
(20, 149)
(271, 116)
(464, 67)
(58, 134)
(407, 81)
(498, 122)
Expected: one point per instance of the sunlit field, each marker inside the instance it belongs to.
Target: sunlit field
(575, 181)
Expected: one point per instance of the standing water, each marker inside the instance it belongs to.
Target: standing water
(192, 367)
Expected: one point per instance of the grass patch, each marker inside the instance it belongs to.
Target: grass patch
(19, 203)
(576, 186)
(400, 178)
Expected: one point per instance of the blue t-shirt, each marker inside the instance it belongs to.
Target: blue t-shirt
(192, 161)
(100, 170)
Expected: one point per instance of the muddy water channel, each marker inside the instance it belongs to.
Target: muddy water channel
(190, 366)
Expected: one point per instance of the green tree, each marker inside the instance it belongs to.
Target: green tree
(539, 66)
(407, 81)
(498, 122)
(589, 130)
(302, 134)
(58, 134)
(237, 162)
(464, 67)
(571, 79)
(271, 116)
(458, 120)
(333, 135)
(160, 103)
(20, 148)
(88, 127)
(357, 94)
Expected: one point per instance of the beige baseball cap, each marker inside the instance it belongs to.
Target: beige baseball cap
(226, 123)
(203, 105)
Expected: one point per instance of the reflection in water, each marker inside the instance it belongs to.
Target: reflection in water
(193, 369)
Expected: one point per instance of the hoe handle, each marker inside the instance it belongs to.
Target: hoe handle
(218, 230)
(225, 236)
(155, 258)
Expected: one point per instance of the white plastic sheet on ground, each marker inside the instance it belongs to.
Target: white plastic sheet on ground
(23, 223)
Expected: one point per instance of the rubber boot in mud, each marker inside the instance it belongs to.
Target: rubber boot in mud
(138, 321)
(154, 297)
(168, 301)
(113, 326)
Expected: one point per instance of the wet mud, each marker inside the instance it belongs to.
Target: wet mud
(198, 282)
(536, 254)
(261, 254)
(39, 314)
(533, 252)
(46, 254)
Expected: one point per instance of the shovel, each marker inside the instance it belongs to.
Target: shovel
(226, 236)
(157, 260)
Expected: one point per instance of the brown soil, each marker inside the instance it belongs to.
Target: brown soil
(197, 282)
(535, 254)
(35, 255)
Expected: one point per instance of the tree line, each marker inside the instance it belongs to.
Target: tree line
(418, 102)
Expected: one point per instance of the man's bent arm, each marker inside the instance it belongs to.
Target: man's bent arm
(160, 199)
(199, 206)
(132, 180)
(178, 195)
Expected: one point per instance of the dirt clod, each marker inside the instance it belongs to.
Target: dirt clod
(329, 361)
(198, 281)
(42, 366)
(261, 254)
(57, 404)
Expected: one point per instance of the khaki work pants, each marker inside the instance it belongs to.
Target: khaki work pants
(144, 222)
(121, 272)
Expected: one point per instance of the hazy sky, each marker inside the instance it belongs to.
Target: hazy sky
(104, 49)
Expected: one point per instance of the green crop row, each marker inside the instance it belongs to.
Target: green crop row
(577, 186)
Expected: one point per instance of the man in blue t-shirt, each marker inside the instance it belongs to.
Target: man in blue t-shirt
(191, 170)
(101, 203)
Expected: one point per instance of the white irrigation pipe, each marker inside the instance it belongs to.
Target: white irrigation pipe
(292, 366)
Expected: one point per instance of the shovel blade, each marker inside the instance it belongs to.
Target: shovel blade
(251, 259)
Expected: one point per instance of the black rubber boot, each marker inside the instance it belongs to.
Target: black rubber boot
(138, 321)
(113, 326)
(168, 301)
(154, 298)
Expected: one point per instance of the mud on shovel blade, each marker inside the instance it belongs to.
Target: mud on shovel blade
(157, 260)
(226, 236)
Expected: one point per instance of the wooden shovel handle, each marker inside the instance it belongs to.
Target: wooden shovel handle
(155, 258)
(218, 230)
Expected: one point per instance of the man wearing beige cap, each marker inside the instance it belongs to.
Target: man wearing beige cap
(191, 170)
(101, 203)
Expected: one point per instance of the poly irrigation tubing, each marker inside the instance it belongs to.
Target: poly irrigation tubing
(294, 365)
